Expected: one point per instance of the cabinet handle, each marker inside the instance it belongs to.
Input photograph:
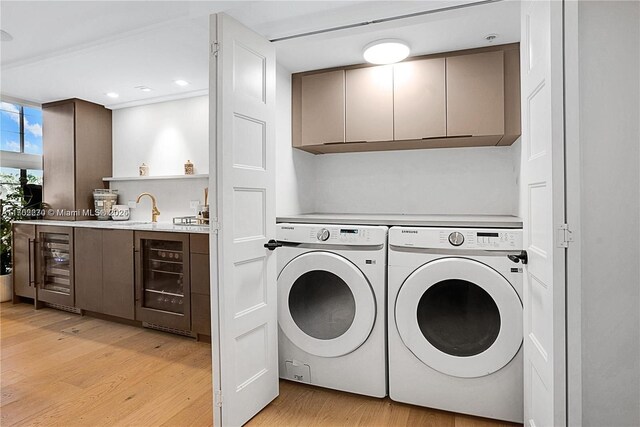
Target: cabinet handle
(32, 245)
(426, 138)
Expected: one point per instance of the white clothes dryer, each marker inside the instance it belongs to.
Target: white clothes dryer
(331, 306)
(455, 320)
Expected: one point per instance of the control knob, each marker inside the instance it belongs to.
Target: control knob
(456, 238)
(323, 235)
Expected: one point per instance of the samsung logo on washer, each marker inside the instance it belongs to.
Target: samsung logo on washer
(410, 231)
(288, 228)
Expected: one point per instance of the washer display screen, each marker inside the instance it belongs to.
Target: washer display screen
(322, 304)
(458, 318)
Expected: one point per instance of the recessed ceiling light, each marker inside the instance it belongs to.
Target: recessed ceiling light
(5, 37)
(144, 88)
(112, 94)
(181, 82)
(386, 51)
(490, 37)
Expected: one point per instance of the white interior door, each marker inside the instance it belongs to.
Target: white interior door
(543, 212)
(243, 288)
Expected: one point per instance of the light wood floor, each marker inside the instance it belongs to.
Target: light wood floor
(61, 369)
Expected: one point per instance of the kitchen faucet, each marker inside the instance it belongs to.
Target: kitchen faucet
(154, 207)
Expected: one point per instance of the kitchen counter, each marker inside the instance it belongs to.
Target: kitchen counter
(125, 225)
(462, 221)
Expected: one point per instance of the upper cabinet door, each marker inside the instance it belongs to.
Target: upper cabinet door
(369, 97)
(323, 108)
(475, 94)
(59, 158)
(419, 99)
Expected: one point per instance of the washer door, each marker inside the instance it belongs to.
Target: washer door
(459, 317)
(326, 306)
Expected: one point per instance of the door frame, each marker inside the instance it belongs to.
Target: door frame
(573, 309)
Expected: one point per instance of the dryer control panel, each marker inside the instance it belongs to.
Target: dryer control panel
(457, 239)
(351, 235)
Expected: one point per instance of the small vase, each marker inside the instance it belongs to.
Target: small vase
(188, 168)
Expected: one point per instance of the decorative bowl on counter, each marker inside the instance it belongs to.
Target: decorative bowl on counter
(120, 212)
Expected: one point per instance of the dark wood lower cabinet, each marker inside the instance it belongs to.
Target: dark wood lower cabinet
(118, 296)
(105, 271)
(200, 285)
(159, 278)
(89, 269)
(24, 261)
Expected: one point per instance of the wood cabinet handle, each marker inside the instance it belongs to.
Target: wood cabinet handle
(32, 262)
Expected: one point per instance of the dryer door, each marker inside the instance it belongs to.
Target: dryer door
(326, 306)
(459, 317)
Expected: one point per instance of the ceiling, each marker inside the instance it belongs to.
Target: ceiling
(86, 49)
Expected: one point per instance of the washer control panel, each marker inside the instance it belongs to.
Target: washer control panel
(456, 239)
(331, 234)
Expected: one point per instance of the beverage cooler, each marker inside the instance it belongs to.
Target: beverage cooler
(55, 265)
(162, 279)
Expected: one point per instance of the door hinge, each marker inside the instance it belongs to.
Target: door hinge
(215, 48)
(565, 236)
(218, 398)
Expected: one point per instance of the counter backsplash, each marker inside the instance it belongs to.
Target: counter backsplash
(173, 196)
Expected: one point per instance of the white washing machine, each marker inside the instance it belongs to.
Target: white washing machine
(455, 320)
(331, 306)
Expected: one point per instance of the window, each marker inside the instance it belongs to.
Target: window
(21, 128)
(21, 152)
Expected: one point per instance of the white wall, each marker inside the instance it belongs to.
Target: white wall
(609, 74)
(163, 135)
(295, 169)
(450, 181)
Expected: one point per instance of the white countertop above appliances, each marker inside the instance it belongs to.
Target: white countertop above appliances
(408, 220)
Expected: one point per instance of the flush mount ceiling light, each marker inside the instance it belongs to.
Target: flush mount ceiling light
(181, 82)
(144, 88)
(5, 37)
(386, 51)
(112, 94)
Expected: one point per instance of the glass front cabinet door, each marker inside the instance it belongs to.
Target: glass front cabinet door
(55, 265)
(162, 279)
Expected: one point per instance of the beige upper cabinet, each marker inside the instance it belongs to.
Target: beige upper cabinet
(419, 99)
(369, 104)
(475, 94)
(468, 98)
(322, 108)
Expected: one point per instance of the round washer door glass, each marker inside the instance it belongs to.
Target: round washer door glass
(326, 306)
(460, 317)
